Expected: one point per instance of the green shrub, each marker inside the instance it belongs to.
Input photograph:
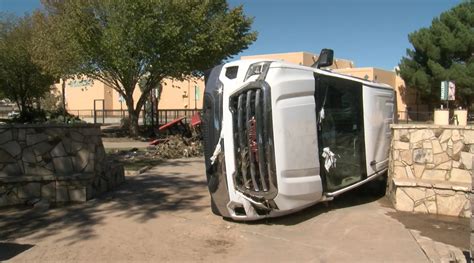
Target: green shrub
(61, 116)
(43, 116)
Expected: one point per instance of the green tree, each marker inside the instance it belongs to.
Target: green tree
(21, 80)
(443, 51)
(122, 43)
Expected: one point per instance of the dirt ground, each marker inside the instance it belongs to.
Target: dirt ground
(164, 216)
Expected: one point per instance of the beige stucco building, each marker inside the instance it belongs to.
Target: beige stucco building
(302, 58)
(188, 94)
(81, 93)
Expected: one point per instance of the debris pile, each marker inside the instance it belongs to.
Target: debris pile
(170, 147)
(176, 146)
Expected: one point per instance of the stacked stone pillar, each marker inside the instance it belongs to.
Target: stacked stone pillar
(472, 211)
(430, 169)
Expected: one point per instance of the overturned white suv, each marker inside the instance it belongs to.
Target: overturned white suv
(279, 137)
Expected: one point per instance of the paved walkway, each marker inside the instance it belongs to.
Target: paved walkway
(125, 145)
(164, 215)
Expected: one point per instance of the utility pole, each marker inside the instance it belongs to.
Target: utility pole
(63, 86)
(196, 92)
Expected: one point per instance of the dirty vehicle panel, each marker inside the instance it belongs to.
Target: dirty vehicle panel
(280, 137)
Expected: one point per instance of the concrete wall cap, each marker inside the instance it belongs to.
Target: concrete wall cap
(404, 182)
(430, 126)
(43, 178)
(49, 125)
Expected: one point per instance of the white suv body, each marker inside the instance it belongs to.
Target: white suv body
(280, 137)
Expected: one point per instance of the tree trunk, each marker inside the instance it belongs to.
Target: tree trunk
(133, 128)
(134, 112)
(23, 107)
(63, 98)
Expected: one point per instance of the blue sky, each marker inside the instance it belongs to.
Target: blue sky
(369, 32)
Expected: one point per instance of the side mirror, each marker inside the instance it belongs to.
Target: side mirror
(325, 58)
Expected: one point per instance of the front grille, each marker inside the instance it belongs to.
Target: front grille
(253, 141)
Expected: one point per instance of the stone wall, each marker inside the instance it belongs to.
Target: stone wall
(57, 163)
(430, 169)
(472, 221)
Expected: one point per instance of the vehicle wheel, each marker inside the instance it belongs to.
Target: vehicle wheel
(214, 208)
(378, 186)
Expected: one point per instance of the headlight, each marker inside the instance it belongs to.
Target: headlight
(259, 68)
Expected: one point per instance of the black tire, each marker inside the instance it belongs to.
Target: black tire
(212, 182)
(378, 186)
(214, 209)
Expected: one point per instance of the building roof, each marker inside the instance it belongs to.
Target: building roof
(302, 58)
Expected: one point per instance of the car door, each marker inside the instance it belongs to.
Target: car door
(340, 126)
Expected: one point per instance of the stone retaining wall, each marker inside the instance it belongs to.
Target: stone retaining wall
(57, 163)
(472, 221)
(430, 169)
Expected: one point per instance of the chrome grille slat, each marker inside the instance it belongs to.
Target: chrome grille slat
(260, 139)
(242, 140)
(248, 120)
(268, 136)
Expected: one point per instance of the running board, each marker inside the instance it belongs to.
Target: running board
(338, 192)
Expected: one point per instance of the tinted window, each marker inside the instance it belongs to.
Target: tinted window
(231, 72)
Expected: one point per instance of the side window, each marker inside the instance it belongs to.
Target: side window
(340, 132)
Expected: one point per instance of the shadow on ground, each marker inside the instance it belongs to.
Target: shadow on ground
(10, 250)
(358, 196)
(140, 198)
